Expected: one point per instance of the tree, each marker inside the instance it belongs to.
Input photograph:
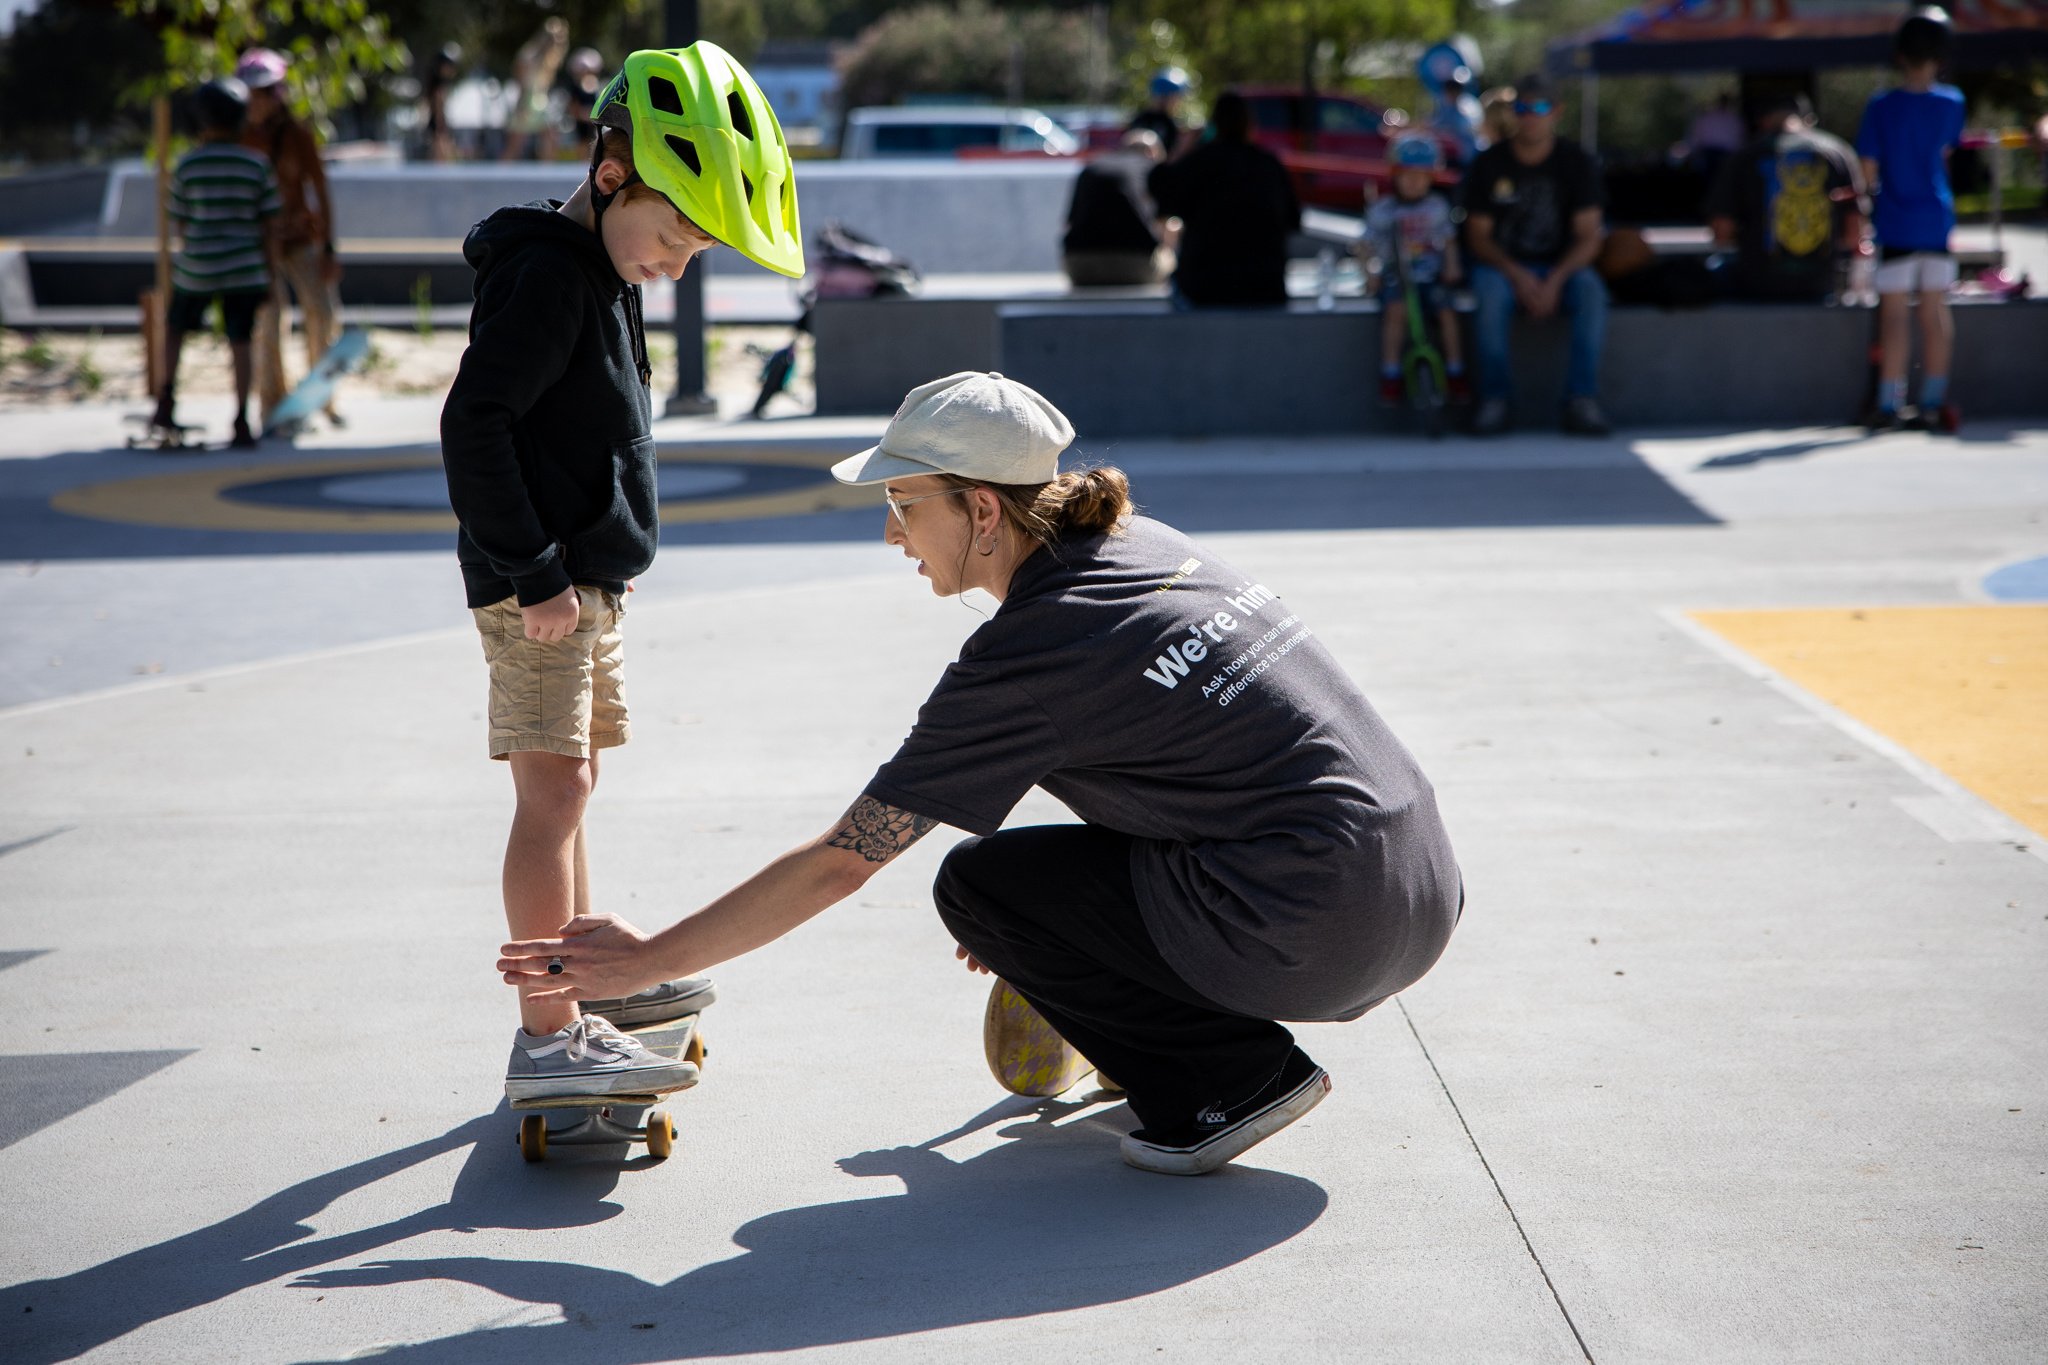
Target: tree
(333, 46)
(974, 49)
(1227, 41)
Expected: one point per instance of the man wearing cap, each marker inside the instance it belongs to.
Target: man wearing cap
(1532, 231)
(305, 229)
(1254, 844)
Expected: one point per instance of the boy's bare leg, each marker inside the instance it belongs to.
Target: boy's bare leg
(1937, 333)
(245, 371)
(1453, 345)
(1393, 333)
(546, 878)
(582, 854)
(167, 397)
(1895, 336)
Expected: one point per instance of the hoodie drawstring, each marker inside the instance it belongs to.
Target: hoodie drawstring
(638, 326)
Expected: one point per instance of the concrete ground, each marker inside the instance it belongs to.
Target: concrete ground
(1741, 1052)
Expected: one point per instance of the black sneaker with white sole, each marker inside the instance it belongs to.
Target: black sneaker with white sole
(657, 1004)
(1217, 1134)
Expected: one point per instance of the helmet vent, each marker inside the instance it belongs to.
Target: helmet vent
(747, 184)
(686, 152)
(741, 124)
(663, 95)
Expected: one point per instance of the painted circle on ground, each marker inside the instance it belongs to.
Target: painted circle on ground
(407, 495)
(2026, 581)
(427, 489)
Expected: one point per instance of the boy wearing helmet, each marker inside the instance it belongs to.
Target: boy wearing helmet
(547, 441)
(223, 198)
(1414, 223)
(1907, 135)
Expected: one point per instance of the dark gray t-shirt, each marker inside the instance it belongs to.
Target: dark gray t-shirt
(1290, 863)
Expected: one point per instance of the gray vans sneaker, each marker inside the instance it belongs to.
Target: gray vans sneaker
(590, 1057)
(657, 1004)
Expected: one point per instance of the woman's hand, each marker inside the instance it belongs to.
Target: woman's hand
(973, 963)
(602, 956)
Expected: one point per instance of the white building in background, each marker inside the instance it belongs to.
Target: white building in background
(798, 78)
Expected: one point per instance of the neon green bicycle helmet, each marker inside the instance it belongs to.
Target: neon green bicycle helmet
(705, 137)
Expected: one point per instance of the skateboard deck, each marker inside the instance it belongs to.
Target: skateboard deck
(317, 388)
(1027, 1055)
(158, 436)
(607, 1120)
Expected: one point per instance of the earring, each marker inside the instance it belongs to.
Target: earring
(986, 547)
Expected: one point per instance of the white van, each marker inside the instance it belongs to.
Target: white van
(945, 130)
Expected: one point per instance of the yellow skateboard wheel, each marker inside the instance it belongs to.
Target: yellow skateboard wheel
(661, 1134)
(533, 1137)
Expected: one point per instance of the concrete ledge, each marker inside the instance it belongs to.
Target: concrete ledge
(1142, 370)
(871, 352)
(945, 216)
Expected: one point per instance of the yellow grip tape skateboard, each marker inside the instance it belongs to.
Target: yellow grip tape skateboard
(1026, 1054)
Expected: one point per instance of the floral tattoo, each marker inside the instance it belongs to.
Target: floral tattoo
(879, 832)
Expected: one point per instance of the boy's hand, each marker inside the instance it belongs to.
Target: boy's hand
(554, 619)
(973, 963)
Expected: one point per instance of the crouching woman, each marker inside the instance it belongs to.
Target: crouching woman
(1254, 844)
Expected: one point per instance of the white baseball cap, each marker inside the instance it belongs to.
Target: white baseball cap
(975, 425)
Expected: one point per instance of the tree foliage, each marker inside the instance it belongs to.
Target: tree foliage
(333, 45)
(1227, 41)
(974, 49)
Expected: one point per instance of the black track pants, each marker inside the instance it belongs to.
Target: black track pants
(1051, 909)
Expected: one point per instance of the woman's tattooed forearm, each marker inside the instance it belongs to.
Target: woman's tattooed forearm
(879, 832)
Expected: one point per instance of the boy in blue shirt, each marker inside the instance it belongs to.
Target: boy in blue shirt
(1905, 141)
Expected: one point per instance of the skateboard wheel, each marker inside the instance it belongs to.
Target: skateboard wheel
(661, 1134)
(695, 1052)
(533, 1137)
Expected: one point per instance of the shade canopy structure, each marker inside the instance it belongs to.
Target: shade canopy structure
(1789, 35)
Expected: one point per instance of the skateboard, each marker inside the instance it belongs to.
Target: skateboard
(1026, 1055)
(157, 436)
(317, 388)
(607, 1120)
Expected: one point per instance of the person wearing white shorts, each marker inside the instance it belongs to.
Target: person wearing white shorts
(1916, 272)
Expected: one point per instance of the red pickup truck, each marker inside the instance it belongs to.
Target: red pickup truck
(1332, 143)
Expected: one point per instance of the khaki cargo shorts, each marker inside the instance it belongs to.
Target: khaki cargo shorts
(561, 698)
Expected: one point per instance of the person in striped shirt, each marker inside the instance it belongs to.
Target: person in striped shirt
(223, 199)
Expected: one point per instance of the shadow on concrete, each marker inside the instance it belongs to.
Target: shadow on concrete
(1343, 488)
(40, 1089)
(1790, 450)
(51, 1320)
(1044, 1223)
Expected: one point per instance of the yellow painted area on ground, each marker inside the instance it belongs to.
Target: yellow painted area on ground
(202, 499)
(1965, 688)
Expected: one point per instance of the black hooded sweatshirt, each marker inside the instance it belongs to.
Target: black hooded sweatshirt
(546, 434)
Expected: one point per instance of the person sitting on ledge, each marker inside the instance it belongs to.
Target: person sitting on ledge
(1533, 230)
(1113, 236)
(1237, 209)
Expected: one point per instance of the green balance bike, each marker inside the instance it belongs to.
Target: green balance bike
(1422, 364)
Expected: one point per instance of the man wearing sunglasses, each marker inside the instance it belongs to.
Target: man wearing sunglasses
(1533, 227)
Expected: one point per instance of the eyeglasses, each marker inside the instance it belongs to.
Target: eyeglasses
(1532, 106)
(896, 504)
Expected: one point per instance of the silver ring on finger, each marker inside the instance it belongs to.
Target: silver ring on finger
(554, 966)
